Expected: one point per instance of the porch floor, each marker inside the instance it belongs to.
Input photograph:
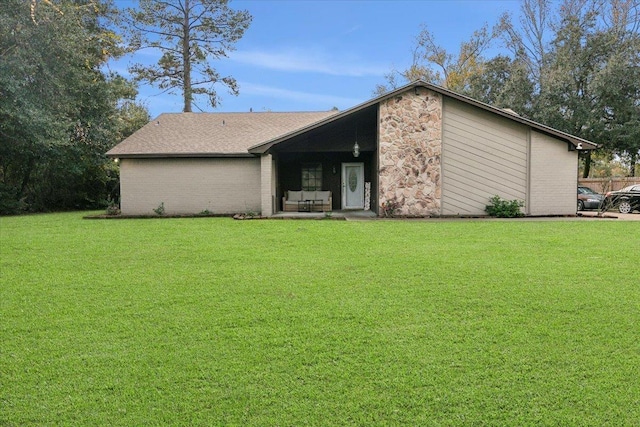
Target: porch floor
(346, 214)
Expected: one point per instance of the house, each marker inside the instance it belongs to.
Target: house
(429, 150)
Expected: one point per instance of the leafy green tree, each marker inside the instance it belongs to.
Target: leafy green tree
(573, 65)
(189, 34)
(591, 79)
(454, 70)
(504, 83)
(617, 85)
(567, 99)
(432, 63)
(59, 112)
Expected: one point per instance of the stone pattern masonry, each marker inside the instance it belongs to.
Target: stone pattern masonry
(410, 150)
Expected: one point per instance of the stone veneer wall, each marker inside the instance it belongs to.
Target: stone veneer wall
(410, 149)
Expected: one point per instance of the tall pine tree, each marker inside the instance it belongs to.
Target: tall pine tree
(188, 34)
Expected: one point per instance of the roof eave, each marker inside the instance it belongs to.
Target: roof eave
(176, 155)
(576, 142)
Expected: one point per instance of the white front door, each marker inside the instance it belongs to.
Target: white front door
(353, 186)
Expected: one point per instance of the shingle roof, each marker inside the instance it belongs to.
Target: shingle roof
(245, 134)
(211, 134)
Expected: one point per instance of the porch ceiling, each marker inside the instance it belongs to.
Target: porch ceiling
(335, 136)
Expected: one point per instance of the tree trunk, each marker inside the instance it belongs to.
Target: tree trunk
(587, 164)
(632, 166)
(186, 59)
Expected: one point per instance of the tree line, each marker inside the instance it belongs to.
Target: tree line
(61, 109)
(573, 65)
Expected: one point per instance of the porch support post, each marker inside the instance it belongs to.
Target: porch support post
(267, 184)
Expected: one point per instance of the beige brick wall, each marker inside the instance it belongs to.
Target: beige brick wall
(267, 184)
(188, 186)
(554, 177)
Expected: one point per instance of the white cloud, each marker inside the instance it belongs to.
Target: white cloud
(252, 89)
(309, 61)
(353, 30)
(147, 54)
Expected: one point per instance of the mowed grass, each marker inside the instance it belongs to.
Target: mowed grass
(210, 321)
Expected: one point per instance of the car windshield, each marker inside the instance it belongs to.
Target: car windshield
(586, 190)
(629, 189)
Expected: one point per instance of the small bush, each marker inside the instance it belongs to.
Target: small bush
(160, 209)
(113, 209)
(504, 208)
(390, 207)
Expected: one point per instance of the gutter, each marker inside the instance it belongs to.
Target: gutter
(178, 155)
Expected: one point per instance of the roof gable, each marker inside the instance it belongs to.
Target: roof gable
(576, 142)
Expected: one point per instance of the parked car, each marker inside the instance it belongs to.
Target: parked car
(626, 200)
(588, 199)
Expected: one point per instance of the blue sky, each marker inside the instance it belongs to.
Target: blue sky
(304, 55)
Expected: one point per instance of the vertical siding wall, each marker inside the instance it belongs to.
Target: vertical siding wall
(483, 155)
(188, 186)
(554, 177)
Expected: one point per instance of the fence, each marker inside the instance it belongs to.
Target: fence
(602, 185)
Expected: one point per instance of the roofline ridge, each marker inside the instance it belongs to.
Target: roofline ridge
(176, 113)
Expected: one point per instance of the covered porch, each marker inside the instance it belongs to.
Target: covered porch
(338, 155)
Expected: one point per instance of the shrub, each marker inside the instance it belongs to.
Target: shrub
(113, 209)
(390, 207)
(504, 208)
(160, 209)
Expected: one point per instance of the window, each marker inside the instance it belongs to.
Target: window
(312, 176)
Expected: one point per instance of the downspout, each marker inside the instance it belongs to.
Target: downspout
(527, 199)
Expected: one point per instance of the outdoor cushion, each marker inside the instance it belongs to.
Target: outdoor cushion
(323, 195)
(308, 195)
(294, 196)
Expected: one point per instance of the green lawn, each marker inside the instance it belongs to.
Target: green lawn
(211, 321)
